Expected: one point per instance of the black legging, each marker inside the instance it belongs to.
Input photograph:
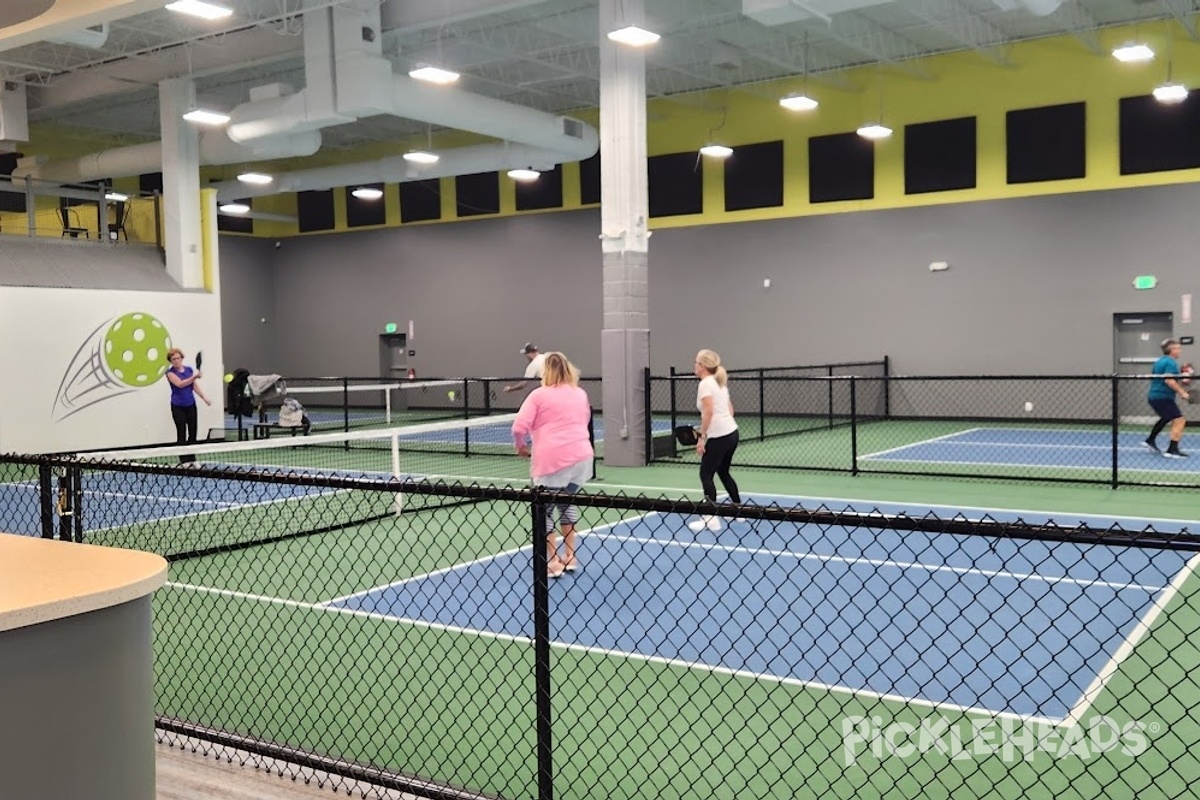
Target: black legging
(717, 458)
(185, 418)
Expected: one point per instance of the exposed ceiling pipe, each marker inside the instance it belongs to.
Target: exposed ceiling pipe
(395, 169)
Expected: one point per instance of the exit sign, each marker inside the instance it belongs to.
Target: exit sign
(1145, 282)
(389, 328)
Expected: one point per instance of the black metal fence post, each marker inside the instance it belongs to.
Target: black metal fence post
(762, 400)
(46, 496)
(649, 408)
(541, 650)
(466, 415)
(887, 387)
(674, 419)
(829, 374)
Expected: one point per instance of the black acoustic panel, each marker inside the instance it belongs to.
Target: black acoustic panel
(315, 210)
(1046, 143)
(841, 166)
(1158, 137)
(478, 194)
(421, 201)
(754, 176)
(234, 223)
(360, 213)
(940, 156)
(545, 192)
(589, 180)
(676, 184)
(150, 182)
(10, 201)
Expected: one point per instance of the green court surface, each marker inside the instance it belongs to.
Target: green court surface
(243, 646)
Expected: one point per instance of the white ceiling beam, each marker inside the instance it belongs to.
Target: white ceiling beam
(66, 17)
(1183, 11)
(963, 26)
(1078, 22)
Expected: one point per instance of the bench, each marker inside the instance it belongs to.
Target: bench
(262, 430)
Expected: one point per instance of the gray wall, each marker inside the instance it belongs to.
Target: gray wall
(247, 298)
(1032, 288)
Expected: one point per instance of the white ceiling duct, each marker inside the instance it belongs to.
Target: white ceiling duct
(395, 169)
(93, 37)
(783, 12)
(137, 159)
(1039, 8)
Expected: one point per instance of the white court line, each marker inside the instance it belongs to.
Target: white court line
(590, 649)
(1094, 689)
(1028, 465)
(465, 564)
(208, 512)
(882, 562)
(1031, 445)
(921, 442)
(158, 498)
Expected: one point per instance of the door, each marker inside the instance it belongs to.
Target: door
(393, 356)
(1137, 340)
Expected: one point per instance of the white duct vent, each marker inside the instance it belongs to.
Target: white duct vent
(782, 12)
(572, 127)
(93, 37)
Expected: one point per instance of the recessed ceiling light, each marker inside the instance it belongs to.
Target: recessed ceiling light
(256, 178)
(634, 36)
(421, 157)
(433, 75)
(874, 131)
(196, 8)
(524, 174)
(367, 193)
(203, 116)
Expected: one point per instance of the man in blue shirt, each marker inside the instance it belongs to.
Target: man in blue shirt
(1164, 388)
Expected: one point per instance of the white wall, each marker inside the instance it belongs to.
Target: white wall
(60, 391)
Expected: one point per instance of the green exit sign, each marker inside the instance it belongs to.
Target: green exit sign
(1145, 282)
(389, 328)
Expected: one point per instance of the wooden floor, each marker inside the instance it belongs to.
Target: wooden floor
(187, 775)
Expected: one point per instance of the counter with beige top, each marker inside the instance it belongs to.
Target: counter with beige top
(76, 685)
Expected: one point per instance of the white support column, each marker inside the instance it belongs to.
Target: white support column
(624, 209)
(181, 183)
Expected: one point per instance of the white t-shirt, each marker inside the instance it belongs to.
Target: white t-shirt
(536, 367)
(722, 423)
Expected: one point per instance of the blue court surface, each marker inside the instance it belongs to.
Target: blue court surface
(1035, 447)
(1008, 627)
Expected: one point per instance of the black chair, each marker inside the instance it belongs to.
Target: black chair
(69, 229)
(116, 228)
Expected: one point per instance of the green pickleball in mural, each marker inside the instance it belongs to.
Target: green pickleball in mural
(135, 349)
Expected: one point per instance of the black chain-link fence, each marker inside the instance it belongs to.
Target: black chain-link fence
(1069, 429)
(406, 635)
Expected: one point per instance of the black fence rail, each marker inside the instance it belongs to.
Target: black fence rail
(1086, 429)
(406, 635)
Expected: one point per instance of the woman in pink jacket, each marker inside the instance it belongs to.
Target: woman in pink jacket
(556, 416)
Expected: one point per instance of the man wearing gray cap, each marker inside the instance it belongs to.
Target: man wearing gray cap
(533, 371)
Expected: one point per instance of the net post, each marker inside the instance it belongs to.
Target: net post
(395, 437)
(541, 649)
(829, 374)
(346, 408)
(853, 424)
(674, 419)
(647, 384)
(1116, 429)
(77, 501)
(46, 498)
(387, 404)
(762, 405)
(887, 387)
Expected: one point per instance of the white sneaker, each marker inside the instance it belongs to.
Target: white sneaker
(706, 522)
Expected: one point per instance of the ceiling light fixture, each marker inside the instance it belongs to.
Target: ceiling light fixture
(798, 102)
(421, 157)
(716, 151)
(1171, 93)
(874, 131)
(367, 193)
(1132, 52)
(203, 116)
(633, 36)
(235, 208)
(433, 75)
(256, 178)
(196, 8)
(524, 175)
(116, 197)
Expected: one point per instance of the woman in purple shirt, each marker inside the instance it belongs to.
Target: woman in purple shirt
(184, 391)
